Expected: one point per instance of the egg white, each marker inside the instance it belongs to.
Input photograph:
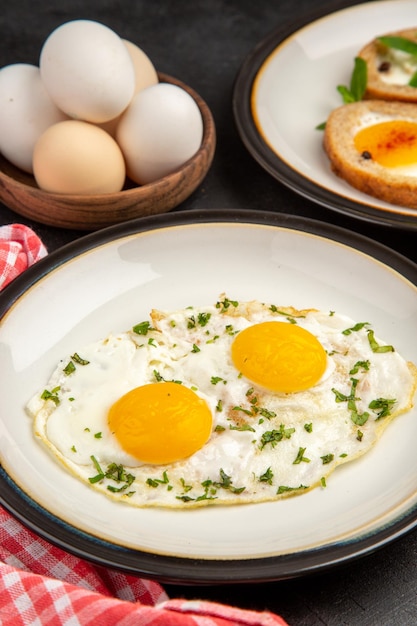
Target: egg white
(263, 446)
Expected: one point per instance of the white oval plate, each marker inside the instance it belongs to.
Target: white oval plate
(109, 281)
(288, 85)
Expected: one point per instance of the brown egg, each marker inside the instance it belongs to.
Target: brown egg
(75, 157)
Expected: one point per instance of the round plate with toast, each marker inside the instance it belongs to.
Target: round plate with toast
(287, 87)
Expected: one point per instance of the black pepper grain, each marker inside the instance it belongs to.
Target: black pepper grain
(385, 66)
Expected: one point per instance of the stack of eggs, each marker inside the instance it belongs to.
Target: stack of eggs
(94, 112)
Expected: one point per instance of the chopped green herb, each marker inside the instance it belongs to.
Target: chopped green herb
(355, 328)
(382, 406)
(364, 365)
(308, 427)
(375, 347)
(98, 435)
(323, 481)
(217, 379)
(284, 488)
(195, 348)
(100, 474)
(223, 305)
(51, 395)
(359, 435)
(219, 429)
(300, 458)
(399, 43)
(327, 458)
(77, 359)
(274, 436)
(226, 483)
(240, 408)
(358, 82)
(267, 476)
(242, 427)
(203, 318)
(356, 417)
(155, 482)
(142, 328)
(267, 413)
(69, 368)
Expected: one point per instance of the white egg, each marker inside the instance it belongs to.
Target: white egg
(26, 111)
(261, 444)
(87, 70)
(160, 130)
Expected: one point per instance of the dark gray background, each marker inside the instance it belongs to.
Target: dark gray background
(204, 43)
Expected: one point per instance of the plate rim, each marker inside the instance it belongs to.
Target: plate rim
(268, 159)
(191, 570)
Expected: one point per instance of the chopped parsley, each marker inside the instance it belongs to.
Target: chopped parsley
(327, 458)
(300, 458)
(355, 328)
(142, 328)
(77, 359)
(51, 395)
(364, 365)
(155, 482)
(382, 406)
(211, 487)
(375, 347)
(69, 368)
(116, 473)
(284, 488)
(217, 379)
(267, 476)
(225, 304)
(357, 418)
(275, 436)
(242, 427)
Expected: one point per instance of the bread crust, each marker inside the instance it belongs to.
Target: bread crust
(377, 88)
(363, 173)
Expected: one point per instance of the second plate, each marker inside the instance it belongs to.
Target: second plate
(287, 86)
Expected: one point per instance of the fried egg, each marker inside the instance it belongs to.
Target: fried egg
(230, 403)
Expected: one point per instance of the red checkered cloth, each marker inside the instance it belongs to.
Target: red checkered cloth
(42, 585)
(20, 247)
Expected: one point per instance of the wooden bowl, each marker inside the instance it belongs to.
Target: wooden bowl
(19, 191)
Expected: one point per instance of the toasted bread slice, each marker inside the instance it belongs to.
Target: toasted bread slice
(396, 185)
(389, 70)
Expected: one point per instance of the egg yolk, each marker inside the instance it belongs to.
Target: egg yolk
(160, 422)
(391, 144)
(279, 356)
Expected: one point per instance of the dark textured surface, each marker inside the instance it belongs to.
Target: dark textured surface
(204, 44)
